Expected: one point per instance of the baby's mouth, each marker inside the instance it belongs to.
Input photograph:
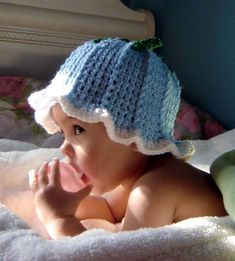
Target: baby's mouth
(84, 178)
(81, 175)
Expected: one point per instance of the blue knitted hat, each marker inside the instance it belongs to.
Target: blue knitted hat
(122, 84)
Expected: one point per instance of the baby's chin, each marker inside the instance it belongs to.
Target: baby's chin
(99, 187)
(97, 190)
(100, 190)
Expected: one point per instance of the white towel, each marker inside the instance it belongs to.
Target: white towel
(207, 238)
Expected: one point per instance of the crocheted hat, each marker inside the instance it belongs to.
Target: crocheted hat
(122, 84)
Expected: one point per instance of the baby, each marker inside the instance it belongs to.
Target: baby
(115, 102)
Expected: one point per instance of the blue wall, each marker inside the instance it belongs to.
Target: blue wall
(199, 44)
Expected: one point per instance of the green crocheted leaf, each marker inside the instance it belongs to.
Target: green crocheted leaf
(98, 40)
(147, 44)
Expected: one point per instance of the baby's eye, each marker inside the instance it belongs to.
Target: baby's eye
(78, 129)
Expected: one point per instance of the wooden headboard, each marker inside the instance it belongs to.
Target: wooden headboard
(36, 36)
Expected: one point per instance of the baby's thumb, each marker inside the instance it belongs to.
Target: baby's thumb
(84, 192)
(33, 179)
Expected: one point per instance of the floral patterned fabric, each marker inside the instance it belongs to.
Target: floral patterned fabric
(16, 116)
(192, 123)
(17, 121)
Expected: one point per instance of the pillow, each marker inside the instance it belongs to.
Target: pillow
(192, 123)
(16, 117)
(206, 151)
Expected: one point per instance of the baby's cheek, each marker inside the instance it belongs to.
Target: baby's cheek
(91, 159)
(88, 166)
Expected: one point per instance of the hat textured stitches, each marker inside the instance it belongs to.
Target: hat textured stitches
(132, 92)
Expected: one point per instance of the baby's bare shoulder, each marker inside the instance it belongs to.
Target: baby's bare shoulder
(176, 181)
(192, 191)
(168, 173)
(171, 191)
(151, 202)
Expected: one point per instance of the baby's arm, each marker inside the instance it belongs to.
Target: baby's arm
(95, 207)
(151, 204)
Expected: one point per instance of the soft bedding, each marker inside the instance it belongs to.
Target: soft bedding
(16, 116)
(204, 238)
(194, 239)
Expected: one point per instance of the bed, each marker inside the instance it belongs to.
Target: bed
(35, 38)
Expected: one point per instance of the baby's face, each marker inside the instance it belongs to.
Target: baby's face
(103, 162)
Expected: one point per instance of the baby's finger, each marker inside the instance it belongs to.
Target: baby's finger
(54, 178)
(42, 174)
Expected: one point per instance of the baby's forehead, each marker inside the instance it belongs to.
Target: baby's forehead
(58, 112)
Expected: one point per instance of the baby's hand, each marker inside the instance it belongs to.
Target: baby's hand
(50, 199)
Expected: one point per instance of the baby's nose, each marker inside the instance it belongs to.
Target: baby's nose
(67, 149)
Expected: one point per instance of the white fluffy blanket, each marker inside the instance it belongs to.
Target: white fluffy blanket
(206, 238)
(193, 239)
